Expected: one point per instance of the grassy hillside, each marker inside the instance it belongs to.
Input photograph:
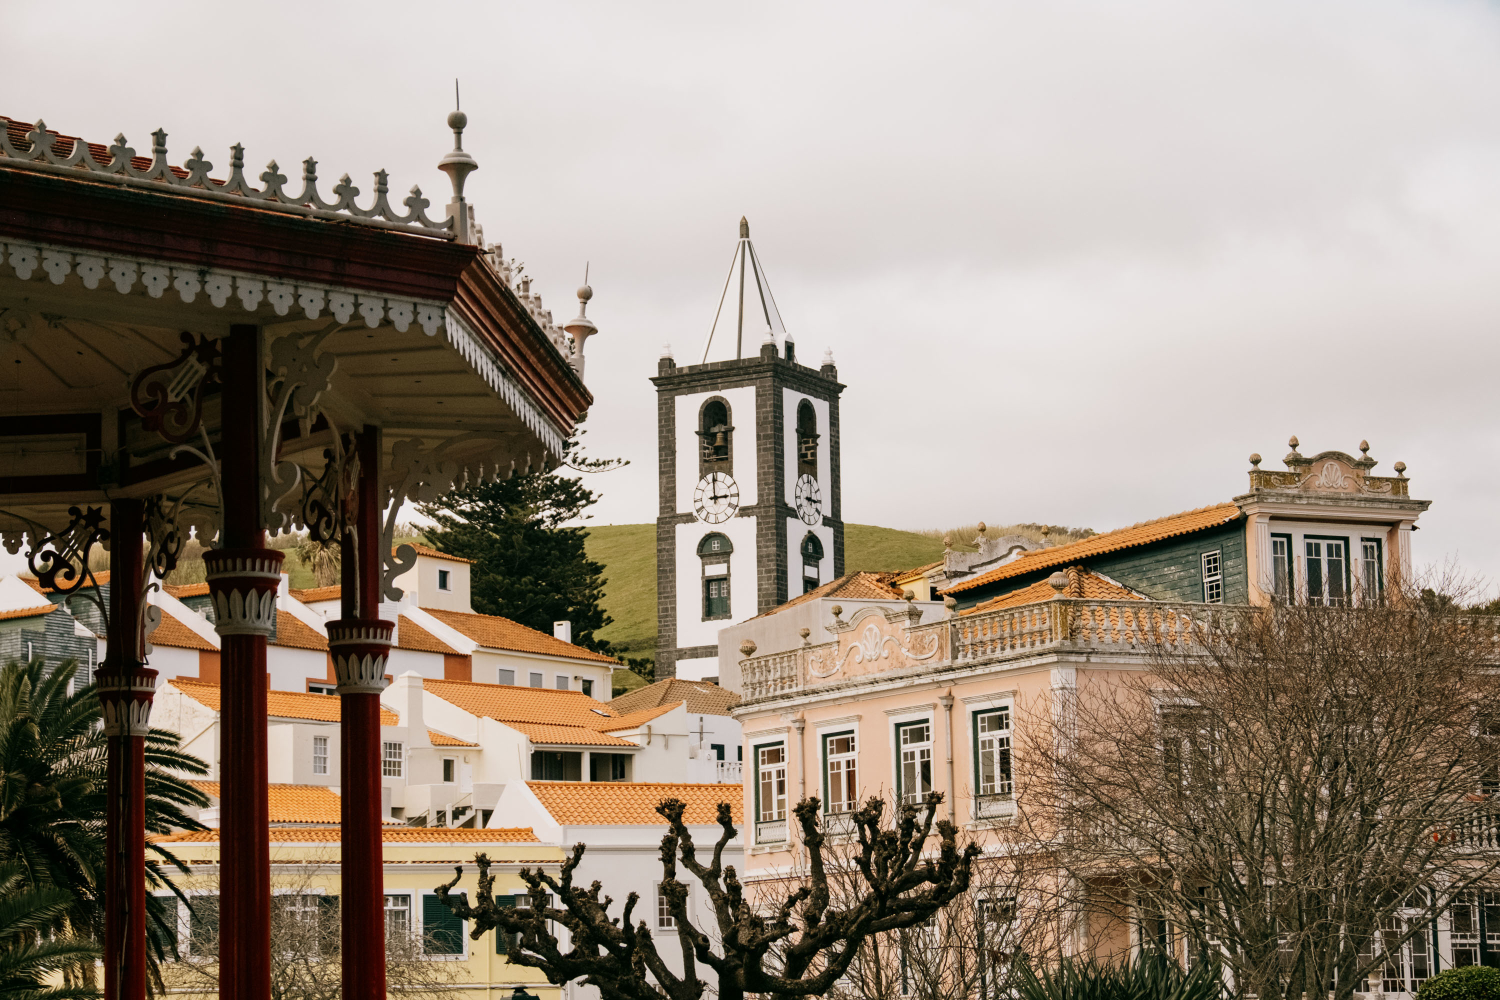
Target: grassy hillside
(628, 552)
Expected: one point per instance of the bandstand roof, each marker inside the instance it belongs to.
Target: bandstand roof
(110, 262)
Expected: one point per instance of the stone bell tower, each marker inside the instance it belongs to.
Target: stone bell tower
(748, 452)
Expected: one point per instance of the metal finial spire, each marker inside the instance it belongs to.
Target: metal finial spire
(456, 105)
(753, 277)
(458, 165)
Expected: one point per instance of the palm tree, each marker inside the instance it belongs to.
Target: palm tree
(52, 798)
(29, 957)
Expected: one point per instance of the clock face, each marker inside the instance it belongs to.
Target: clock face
(717, 498)
(809, 500)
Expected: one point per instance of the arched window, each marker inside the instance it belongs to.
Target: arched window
(812, 558)
(807, 440)
(714, 552)
(716, 437)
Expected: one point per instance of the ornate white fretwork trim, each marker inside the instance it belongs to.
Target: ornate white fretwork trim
(467, 344)
(127, 718)
(40, 154)
(218, 286)
(245, 612)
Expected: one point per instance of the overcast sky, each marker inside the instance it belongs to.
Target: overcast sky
(1075, 261)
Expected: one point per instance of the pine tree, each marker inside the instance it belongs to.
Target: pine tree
(529, 566)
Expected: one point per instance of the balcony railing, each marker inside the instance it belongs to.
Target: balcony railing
(770, 831)
(728, 772)
(886, 643)
(994, 806)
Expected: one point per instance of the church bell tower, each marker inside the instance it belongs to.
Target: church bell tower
(748, 450)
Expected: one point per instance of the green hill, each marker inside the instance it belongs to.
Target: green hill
(628, 552)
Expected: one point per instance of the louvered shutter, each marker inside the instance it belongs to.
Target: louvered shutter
(442, 930)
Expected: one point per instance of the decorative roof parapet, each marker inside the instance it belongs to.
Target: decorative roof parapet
(1329, 472)
(45, 150)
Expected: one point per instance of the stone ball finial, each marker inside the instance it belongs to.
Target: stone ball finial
(747, 648)
(1292, 442)
(804, 631)
(1364, 447)
(1400, 468)
(1058, 581)
(1255, 459)
(837, 610)
(457, 120)
(951, 603)
(983, 527)
(585, 293)
(908, 595)
(947, 542)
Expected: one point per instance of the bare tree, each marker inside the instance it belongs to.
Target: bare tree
(305, 959)
(1298, 790)
(797, 945)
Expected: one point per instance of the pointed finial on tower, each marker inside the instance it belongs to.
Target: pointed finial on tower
(744, 228)
(458, 165)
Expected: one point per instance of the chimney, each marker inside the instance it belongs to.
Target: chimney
(405, 697)
(563, 631)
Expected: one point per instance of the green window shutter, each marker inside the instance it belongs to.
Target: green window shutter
(442, 930)
(502, 939)
(162, 927)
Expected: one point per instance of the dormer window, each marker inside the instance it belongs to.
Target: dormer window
(444, 580)
(812, 558)
(807, 440)
(715, 436)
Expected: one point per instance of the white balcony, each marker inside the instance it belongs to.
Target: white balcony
(728, 772)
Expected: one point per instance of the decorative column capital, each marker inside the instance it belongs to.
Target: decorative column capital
(360, 648)
(243, 585)
(125, 697)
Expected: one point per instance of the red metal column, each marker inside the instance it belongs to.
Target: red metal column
(243, 577)
(360, 642)
(125, 690)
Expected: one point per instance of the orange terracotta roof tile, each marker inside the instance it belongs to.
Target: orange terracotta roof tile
(1081, 584)
(913, 575)
(312, 594)
(631, 803)
(495, 632)
(410, 635)
(427, 550)
(175, 635)
(280, 704)
(701, 697)
(291, 803)
(398, 835)
(634, 720)
(101, 577)
(1143, 533)
(41, 609)
(850, 587)
(444, 740)
(293, 633)
(577, 736)
(508, 703)
(180, 591)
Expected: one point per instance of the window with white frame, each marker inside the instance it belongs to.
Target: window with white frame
(995, 917)
(770, 793)
(840, 773)
(397, 916)
(992, 763)
(392, 760)
(665, 921)
(1213, 577)
(320, 755)
(914, 778)
(536, 679)
(561, 681)
(450, 766)
(1327, 561)
(1369, 571)
(1281, 567)
(504, 676)
(1189, 753)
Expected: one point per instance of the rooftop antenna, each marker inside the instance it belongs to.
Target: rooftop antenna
(747, 262)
